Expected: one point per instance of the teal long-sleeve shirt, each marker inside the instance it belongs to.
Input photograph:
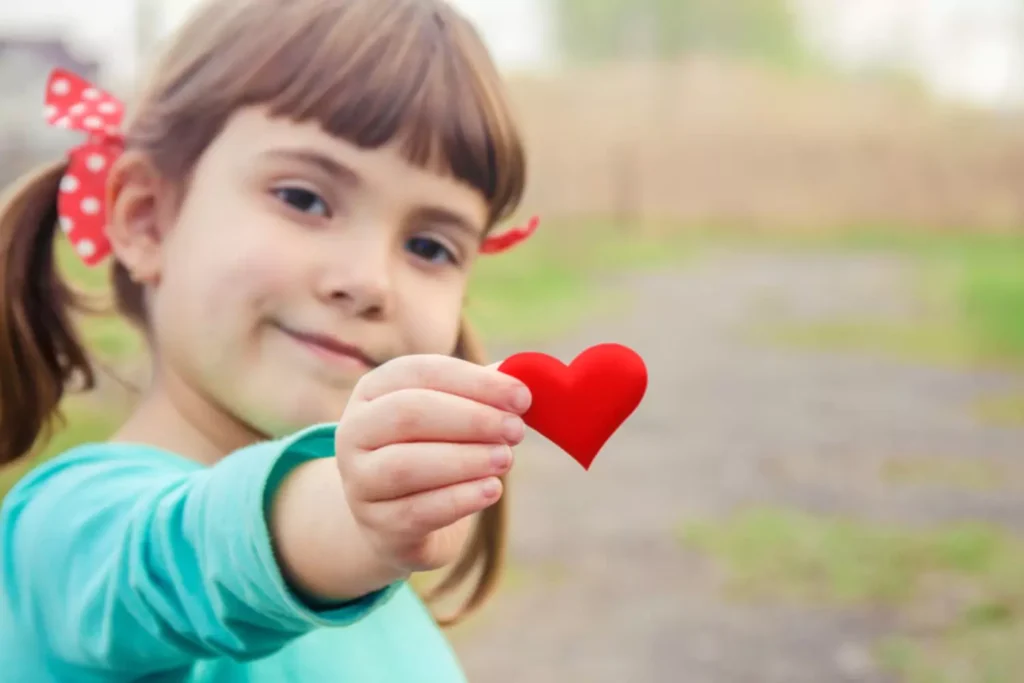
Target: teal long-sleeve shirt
(121, 562)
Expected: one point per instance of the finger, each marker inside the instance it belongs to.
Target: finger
(420, 514)
(423, 415)
(447, 374)
(401, 470)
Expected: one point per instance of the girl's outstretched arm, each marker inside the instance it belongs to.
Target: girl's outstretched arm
(133, 559)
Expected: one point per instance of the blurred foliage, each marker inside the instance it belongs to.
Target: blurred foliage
(595, 30)
(974, 288)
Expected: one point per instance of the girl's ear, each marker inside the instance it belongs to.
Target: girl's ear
(140, 210)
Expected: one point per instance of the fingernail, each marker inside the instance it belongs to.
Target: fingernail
(501, 456)
(521, 400)
(512, 429)
(490, 488)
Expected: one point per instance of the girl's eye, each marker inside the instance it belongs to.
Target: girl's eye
(430, 250)
(303, 200)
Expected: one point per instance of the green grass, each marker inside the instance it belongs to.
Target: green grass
(953, 473)
(95, 279)
(801, 557)
(991, 293)
(1001, 411)
(986, 649)
(85, 422)
(973, 572)
(557, 280)
(974, 288)
(942, 344)
(105, 333)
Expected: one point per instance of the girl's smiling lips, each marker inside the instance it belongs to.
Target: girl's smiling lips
(332, 348)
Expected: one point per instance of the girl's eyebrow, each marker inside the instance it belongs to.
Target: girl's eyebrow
(437, 214)
(329, 165)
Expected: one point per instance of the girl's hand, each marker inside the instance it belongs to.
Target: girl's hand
(420, 448)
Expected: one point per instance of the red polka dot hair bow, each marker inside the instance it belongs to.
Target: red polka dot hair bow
(76, 104)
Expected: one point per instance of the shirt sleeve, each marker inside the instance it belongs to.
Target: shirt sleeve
(129, 559)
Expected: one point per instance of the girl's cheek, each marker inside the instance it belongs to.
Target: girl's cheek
(258, 275)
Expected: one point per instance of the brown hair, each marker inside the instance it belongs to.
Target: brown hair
(371, 72)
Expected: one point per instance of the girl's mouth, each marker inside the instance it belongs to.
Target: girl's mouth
(331, 348)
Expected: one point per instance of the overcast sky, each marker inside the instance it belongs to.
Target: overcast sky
(965, 48)
(516, 30)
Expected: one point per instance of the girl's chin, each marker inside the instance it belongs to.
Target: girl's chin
(312, 408)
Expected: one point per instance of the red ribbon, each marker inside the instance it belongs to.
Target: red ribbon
(76, 104)
(495, 244)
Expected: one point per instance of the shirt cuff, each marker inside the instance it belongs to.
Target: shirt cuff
(309, 444)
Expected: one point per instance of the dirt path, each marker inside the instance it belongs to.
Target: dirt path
(604, 592)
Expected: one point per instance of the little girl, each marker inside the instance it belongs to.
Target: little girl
(291, 214)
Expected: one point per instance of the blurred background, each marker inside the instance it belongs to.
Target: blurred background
(808, 216)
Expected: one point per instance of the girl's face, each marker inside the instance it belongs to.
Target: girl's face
(297, 262)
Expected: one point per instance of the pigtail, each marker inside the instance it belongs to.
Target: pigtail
(40, 351)
(485, 553)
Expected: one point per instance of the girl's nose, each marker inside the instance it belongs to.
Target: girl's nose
(362, 282)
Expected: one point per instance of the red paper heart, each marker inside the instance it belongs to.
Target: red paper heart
(579, 407)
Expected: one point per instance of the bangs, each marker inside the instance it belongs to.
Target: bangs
(408, 72)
